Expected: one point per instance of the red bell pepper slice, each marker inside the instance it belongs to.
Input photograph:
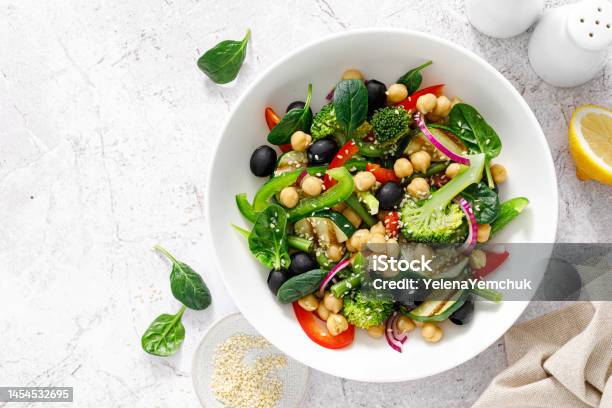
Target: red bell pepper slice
(410, 102)
(391, 222)
(494, 260)
(317, 331)
(344, 154)
(272, 120)
(382, 174)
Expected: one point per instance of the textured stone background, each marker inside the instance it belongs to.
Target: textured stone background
(106, 127)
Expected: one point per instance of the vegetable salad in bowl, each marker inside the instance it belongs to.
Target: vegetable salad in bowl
(377, 169)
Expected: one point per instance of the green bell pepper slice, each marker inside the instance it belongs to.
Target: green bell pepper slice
(335, 195)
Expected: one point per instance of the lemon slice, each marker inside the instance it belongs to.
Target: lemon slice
(590, 143)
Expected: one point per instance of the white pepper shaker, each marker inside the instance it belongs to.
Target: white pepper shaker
(503, 18)
(570, 44)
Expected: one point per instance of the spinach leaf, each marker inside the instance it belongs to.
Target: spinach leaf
(300, 285)
(294, 120)
(351, 104)
(187, 285)
(165, 335)
(478, 136)
(268, 239)
(508, 211)
(222, 62)
(484, 201)
(413, 78)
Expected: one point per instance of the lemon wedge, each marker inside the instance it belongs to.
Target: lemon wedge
(590, 143)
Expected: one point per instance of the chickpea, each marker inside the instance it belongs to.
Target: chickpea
(428, 329)
(453, 170)
(404, 324)
(423, 251)
(312, 186)
(376, 331)
(289, 197)
(322, 311)
(426, 103)
(309, 302)
(352, 74)
(364, 180)
(436, 337)
(484, 231)
(393, 248)
(478, 259)
(334, 252)
(443, 107)
(350, 247)
(336, 324)
(300, 141)
(332, 303)
(339, 207)
(403, 168)
(378, 228)
(420, 161)
(418, 188)
(376, 243)
(499, 173)
(396, 93)
(352, 217)
(359, 239)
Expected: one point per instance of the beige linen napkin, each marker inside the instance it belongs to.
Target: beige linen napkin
(562, 359)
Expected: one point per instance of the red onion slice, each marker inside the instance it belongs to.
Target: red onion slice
(330, 95)
(470, 242)
(330, 275)
(395, 339)
(301, 177)
(445, 150)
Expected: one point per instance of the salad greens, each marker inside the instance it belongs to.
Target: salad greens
(413, 78)
(351, 105)
(300, 285)
(165, 335)
(187, 285)
(508, 211)
(268, 239)
(479, 137)
(296, 119)
(223, 62)
(484, 201)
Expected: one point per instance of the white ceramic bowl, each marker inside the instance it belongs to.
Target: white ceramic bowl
(385, 55)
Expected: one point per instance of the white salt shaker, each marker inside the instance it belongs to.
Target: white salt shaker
(503, 18)
(569, 45)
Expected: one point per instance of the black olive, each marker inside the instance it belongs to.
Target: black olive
(263, 161)
(377, 98)
(297, 105)
(301, 262)
(322, 151)
(464, 314)
(390, 195)
(276, 278)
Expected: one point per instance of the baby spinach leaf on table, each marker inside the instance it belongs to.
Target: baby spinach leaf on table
(165, 335)
(294, 120)
(478, 136)
(484, 201)
(222, 62)
(268, 239)
(187, 285)
(413, 78)
(508, 211)
(300, 285)
(351, 104)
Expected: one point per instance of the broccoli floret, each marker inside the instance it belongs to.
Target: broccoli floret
(390, 124)
(437, 219)
(364, 312)
(325, 124)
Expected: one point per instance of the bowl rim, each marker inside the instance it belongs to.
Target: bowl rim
(364, 31)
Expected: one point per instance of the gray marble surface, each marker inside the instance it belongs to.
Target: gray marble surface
(106, 128)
